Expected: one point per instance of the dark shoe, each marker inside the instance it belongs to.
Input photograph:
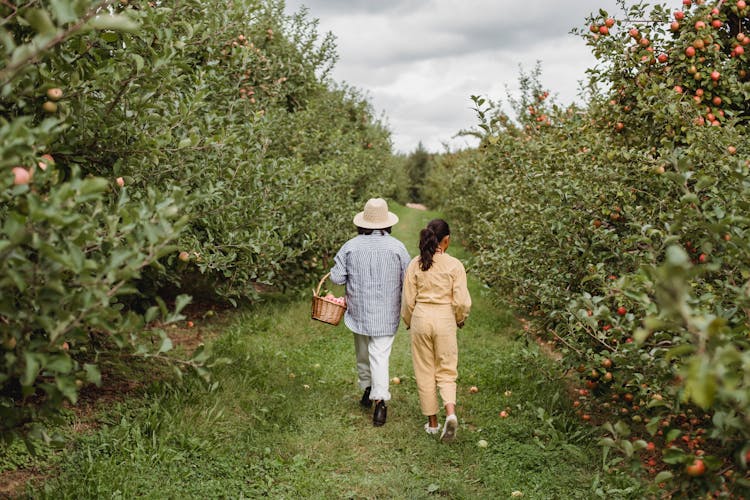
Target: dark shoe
(366, 402)
(380, 414)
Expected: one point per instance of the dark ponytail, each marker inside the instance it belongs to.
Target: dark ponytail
(429, 239)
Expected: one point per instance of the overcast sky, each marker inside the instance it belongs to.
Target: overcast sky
(418, 62)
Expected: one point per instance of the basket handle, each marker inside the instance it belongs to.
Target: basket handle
(317, 292)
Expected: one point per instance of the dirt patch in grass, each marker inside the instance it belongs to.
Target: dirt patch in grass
(13, 483)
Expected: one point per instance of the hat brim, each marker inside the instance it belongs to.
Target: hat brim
(359, 221)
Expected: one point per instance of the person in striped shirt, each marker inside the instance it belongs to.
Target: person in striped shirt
(372, 266)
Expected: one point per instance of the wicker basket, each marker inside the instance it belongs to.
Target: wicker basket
(326, 310)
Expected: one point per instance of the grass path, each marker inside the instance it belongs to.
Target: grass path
(284, 421)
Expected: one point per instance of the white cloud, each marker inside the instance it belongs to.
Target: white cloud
(419, 61)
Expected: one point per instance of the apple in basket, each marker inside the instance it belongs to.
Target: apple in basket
(337, 300)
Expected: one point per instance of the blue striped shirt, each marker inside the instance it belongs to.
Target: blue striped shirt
(372, 267)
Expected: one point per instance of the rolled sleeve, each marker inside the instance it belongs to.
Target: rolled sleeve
(338, 272)
(409, 296)
(461, 297)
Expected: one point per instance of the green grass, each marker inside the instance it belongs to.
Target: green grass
(284, 421)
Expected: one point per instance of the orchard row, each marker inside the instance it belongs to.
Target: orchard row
(155, 150)
(620, 229)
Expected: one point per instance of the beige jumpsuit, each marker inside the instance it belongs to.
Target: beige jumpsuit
(433, 303)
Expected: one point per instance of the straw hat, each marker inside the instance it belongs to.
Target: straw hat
(375, 215)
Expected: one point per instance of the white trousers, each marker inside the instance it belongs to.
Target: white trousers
(373, 355)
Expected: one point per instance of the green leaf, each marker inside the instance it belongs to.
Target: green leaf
(59, 363)
(166, 343)
(68, 388)
(663, 476)
(138, 61)
(93, 374)
(679, 351)
(704, 182)
(608, 442)
(700, 384)
(39, 20)
(673, 455)
(151, 314)
(182, 301)
(63, 11)
(117, 22)
(31, 369)
(672, 435)
(627, 447)
(92, 186)
(622, 429)
(689, 198)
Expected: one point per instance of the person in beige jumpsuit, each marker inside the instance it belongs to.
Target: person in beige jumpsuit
(435, 302)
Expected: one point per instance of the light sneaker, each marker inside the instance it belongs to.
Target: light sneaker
(449, 429)
(431, 430)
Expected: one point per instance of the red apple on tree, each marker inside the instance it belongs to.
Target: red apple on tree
(696, 469)
(20, 176)
(54, 94)
(49, 107)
